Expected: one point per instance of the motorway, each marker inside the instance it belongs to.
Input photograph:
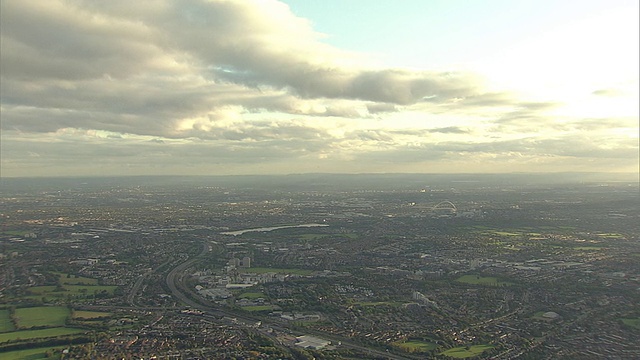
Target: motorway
(175, 277)
(136, 287)
(174, 282)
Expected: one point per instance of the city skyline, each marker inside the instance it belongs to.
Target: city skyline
(270, 87)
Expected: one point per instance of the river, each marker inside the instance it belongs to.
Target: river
(262, 229)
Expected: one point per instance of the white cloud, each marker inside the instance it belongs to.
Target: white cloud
(245, 83)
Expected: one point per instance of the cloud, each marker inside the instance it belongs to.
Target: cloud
(145, 68)
(223, 82)
(376, 108)
(608, 92)
(450, 130)
(567, 153)
(61, 40)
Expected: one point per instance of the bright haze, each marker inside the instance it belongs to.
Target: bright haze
(275, 87)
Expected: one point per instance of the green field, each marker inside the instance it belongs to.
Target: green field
(415, 345)
(251, 295)
(41, 316)
(634, 323)
(463, 352)
(538, 315)
(90, 289)
(66, 279)
(312, 236)
(30, 354)
(377, 303)
(259, 308)
(70, 290)
(482, 280)
(39, 290)
(41, 333)
(90, 315)
(528, 231)
(505, 233)
(5, 321)
(277, 271)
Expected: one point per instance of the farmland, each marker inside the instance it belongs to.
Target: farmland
(89, 315)
(40, 333)
(30, 354)
(5, 321)
(41, 316)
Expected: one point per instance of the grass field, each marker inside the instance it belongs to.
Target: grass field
(415, 345)
(71, 290)
(41, 333)
(634, 323)
(39, 290)
(5, 321)
(90, 289)
(482, 280)
(463, 352)
(41, 316)
(75, 280)
(30, 354)
(251, 295)
(90, 315)
(259, 270)
(538, 315)
(377, 303)
(504, 233)
(312, 236)
(259, 308)
(528, 231)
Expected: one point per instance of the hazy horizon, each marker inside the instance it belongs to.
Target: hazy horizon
(327, 181)
(206, 88)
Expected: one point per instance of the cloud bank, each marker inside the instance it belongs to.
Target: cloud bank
(228, 86)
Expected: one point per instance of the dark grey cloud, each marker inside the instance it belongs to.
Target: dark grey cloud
(56, 40)
(144, 68)
(377, 108)
(260, 43)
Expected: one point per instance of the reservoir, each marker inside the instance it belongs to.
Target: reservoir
(262, 229)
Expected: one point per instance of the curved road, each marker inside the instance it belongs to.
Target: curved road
(178, 271)
(136, 287)
(174, 281)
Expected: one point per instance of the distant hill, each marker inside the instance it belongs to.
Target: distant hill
(320, 181)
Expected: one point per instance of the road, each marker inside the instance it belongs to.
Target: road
(174, 278)
(136, 287)
(174, 282)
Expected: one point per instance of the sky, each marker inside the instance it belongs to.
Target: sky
(223, 87)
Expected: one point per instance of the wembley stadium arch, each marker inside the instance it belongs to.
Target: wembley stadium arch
(444, 208)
